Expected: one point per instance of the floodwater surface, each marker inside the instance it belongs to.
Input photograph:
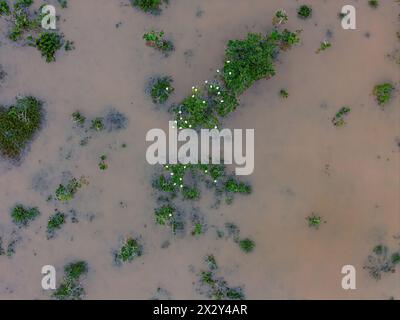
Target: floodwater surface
(350, 176)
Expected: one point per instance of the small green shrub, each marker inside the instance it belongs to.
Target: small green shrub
(247, 245)
(4, 8)
(373, 3)
(235, 186)
(280, 18)
(304, 12)
(165, 215)
(18, 124)
(383, 93)
(338, 120)
(149, 6)
(48, 44)
(102, 164)
(314, 221)
(23, 216)
(78, 118)
(324, 46)
(156, 40)
(67, 193)
(63, 3)
(55, 223)
(129, 251)
(190, 193)
(71, 287)
(284, 94)
(97, 124)
(161, 89)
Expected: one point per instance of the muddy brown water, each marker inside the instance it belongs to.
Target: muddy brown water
(350, 176)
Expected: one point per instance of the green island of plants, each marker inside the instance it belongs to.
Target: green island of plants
(339, 119)
(130, 250)
(314, 221)
(161, 89)
(324, 46)
(216, 287)
(373, 3)
(381, 261)
(304, 12)
(71, 287)
(102, 164)
(67, 193)
(383, 93)
(149, 6)
(26, 28)
(4, 8)
(157, 41)
(18, 125)
(22, 216)
(55, 222)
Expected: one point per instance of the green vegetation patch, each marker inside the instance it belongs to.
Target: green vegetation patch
(216, 287)
(373, 3)
(65, 193)
(339, 119)
(78, 118)
(304, 12)
(247, 245)
(103, 164)
(324, 46)
(71, 287)
(22, 216)
(383, 93)
(18, 124)
(381, 261)
(48, 43)
(4, 8)
(55, 222)
(130, 250)
(161, 89)
(149, 6)
(280, 18)
(314, 221)
(156, 40)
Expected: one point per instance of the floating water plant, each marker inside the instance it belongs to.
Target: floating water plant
(280, 18)
(381, 261)
(304, 12)
(102, 164)
(284, 94)
(324, 46)
(247, 245)
(156, 40)
(373, 3)
(149, 6)
(48, 44)
(129, 251)
(165, 215)
(383, 93)
(97, 124)
(67, 193)
(314, 221)
(4, 8)
(78, 118)
(18, 125)
(338, 120)
(22, 216)
(55, 223)
(71, 287)
(216, 287)
(63, 3)
(161, 89)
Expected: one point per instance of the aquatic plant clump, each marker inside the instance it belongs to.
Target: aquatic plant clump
(4, 8)
(161, 89)
(156, 40)
(67, 193)
(48, 44)
(381, 261)
(55, 223)
(338, 120)
(280, 18)
(247, 245)
(304, 12)
(22, 216)
(373, 3)
(383, 93)
(18, 125)
(149, 6)
(71, 287)
(314, 221)
(216, 287)
(324, 46)
(129, 251)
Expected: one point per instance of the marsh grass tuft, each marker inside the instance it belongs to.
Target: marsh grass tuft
(160, 89)
(157, 41)
(304, 12)
(149, 6)
(22, 216)
(383, 93)
(130, 250)
(71, 287)
(18, 125)
(55, 223)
